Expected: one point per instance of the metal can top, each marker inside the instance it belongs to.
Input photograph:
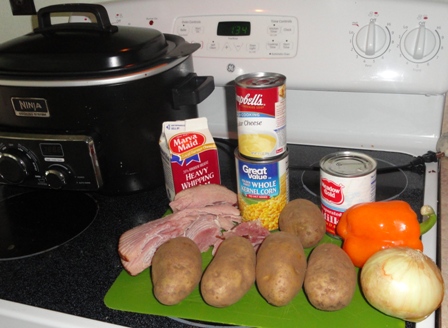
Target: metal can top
(253, 160)
(260, 80)
(348, 164)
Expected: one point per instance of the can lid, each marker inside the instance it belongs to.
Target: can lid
(260, 80)
(348, 164)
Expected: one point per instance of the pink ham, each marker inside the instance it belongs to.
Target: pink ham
(202, 196)
(137, 246)
(252, 230)
(208, 228)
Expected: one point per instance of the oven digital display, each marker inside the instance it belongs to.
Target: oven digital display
(51, 149)
(234, 28)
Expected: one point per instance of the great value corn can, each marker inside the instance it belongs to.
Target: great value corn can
(261, 114)
(263, 188)
(346, 178)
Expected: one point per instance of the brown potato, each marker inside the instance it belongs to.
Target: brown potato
(330, 279)
(176, 270)
(281, 266)
(230, 274)
(304, 219)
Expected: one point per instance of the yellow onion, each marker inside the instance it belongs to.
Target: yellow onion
(402, 282)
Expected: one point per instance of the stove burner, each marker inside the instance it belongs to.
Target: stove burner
(33, 222)
(390, 184)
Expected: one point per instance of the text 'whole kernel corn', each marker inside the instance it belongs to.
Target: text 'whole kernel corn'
(263, 188)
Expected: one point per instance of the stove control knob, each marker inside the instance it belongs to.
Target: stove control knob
(372, 40)
(57, 177)
(420, 44)
(15, 166)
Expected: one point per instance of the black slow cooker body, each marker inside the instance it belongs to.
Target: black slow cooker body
(94, 131)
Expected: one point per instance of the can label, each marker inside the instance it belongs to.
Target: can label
(263, 189)
(189, 155)
(346, 179)
(261, 115)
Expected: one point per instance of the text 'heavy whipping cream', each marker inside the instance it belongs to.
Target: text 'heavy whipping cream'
(189, 155)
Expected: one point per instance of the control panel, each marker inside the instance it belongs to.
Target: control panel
(241, 36)
(417, 44)
(49, 161)
(384, 46)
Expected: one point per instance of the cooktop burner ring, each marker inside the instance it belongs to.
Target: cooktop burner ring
(36, 221)
(390, 184)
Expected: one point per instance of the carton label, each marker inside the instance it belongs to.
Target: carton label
(189, 154)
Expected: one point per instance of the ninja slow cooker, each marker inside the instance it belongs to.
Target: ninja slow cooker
(82, 104)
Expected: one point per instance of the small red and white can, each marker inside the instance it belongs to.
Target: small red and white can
(346, 178)
(261, 115)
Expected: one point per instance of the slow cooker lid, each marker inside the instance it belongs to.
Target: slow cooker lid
(82, 47)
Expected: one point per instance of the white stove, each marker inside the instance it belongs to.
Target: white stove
(361, 74)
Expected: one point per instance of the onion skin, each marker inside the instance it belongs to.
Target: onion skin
(402, 282)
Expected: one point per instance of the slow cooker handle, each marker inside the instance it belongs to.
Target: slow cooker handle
(192, 90)
(102, 18)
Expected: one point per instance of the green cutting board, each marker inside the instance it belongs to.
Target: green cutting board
(134, 294)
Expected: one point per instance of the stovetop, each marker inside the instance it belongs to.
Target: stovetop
(74, 277)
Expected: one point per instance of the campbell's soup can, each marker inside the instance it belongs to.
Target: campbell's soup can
(261, 114)
(262, 188)
(346, 178)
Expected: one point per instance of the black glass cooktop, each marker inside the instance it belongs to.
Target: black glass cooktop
(36, 221)
(394, 179)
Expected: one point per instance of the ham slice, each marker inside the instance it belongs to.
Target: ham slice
(205, 213)
(202, 196)
(252, 230)
(207, 229)
(137, 246)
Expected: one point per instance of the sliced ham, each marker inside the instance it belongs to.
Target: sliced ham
(208, 228)
(137, 246)
(202, 196)
(252, 230)
(203, 232)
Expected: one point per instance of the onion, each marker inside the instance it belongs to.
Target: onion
(402, 282)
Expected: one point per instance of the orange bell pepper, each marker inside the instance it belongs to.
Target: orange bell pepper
(369, 227)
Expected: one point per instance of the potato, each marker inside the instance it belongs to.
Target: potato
(230, 274)
(330, 279)
(281, 266)
(176, 270)
(304, 219)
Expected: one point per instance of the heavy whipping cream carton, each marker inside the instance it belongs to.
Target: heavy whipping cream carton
(189, 155)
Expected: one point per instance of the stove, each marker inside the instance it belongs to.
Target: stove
(361, 75)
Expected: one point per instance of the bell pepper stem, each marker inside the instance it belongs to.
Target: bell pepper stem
(429, 218)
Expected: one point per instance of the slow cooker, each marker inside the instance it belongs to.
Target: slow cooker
(82, 104)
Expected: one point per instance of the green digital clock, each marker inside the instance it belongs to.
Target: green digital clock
(233, 28)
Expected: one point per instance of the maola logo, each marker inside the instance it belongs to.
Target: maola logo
(256, 100)
(186, 141)
(332, 192)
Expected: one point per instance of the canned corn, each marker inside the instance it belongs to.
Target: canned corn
(262, 188)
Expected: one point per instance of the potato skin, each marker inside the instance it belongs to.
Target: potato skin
(176, 270)
(281, 266)
(230, 274)
(330, 280)
(304, 219)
